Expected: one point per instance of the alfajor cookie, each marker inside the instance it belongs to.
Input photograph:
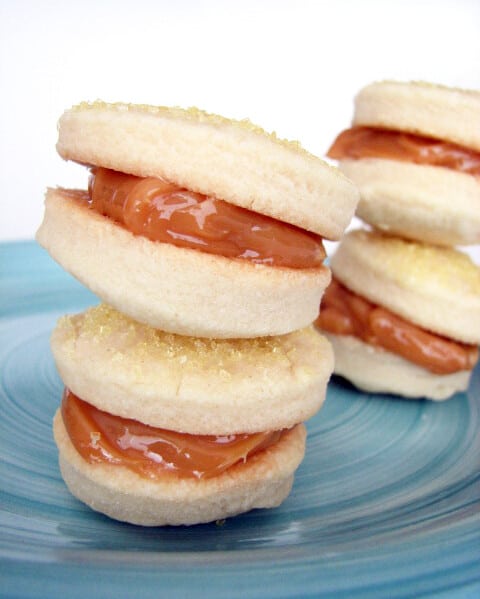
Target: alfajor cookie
(157, 428)
(414, 152)
(193, 223)
(403, 317)
(263, 481)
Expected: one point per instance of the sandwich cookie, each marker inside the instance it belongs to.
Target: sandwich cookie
(193, 223)
(157, 428)
(414, 152)
(403, 317)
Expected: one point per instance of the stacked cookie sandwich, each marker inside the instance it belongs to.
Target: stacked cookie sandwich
(187, 389)
(403, 311)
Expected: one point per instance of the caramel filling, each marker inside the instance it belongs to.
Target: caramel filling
(370, 142)
(165, 212)
(345, 313)
(100, 437)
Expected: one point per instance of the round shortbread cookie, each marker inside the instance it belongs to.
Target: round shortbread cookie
(232, 160)
(192, 385)
(426, 203)
(422, 108)
(378, 371)
(436, 288)
(263, 481)
(177, 289)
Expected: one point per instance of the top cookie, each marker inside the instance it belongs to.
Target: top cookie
(422, 108)
(436, 288)
(188, 384)
(232, 160)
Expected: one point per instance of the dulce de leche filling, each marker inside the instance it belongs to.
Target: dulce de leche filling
(345, 313)
(165, 212)
(100, 437)
(371, 142)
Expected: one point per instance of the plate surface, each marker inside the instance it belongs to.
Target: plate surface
(385, 504)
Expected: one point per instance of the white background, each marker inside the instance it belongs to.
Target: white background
(290, 66)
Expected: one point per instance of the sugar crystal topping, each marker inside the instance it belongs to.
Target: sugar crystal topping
(107, 327)
(416, 263)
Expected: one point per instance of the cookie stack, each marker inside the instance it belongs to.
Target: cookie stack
(187, 389)
(403, 311)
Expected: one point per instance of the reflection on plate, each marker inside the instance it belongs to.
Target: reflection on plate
(386, 503)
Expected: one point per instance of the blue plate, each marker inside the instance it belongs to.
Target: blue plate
(385, 504)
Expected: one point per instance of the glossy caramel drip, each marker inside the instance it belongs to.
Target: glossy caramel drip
(345, 313)
(370, 142)
(100, 437)
(165, 212)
